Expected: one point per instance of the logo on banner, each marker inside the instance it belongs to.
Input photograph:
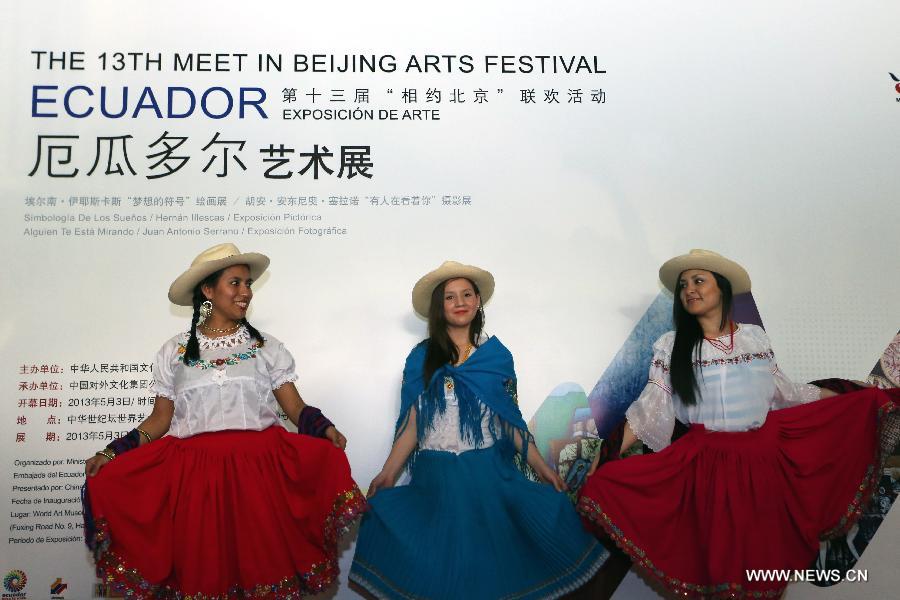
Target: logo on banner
(896, 85)
(57, 588)
(14, 582)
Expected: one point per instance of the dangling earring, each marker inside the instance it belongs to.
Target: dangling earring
(205, 312)
(483, 318)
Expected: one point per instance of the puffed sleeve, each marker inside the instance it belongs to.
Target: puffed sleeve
(788, 393)
(164, 366)
(652, 415)
(279, 362)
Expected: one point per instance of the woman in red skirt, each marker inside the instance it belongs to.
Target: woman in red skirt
(763, 472)
(228, 504)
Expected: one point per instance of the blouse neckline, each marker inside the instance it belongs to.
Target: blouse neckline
(737, 328)
(231, 340)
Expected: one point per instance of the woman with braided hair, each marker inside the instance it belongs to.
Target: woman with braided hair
(228, 504)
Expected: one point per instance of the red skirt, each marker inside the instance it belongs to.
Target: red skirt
(231, 514)
(695, 516)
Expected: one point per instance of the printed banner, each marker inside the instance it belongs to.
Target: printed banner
(569, 150)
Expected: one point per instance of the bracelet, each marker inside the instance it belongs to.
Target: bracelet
(106, 452)
(126, 443)
(145, 434)
(312, 422)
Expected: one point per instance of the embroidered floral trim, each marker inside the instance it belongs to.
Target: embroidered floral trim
(233, 359)
(219, 377)
(658, 579)
(888, 435)
(733, 360)
(660, 364)
(512, 390)
(348, 506)
(890, 362)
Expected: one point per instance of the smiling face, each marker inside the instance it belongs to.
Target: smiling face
(231, 294)
(461, 302)
(699, 293)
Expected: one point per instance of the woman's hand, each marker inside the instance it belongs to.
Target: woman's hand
(595, 463)
(336, 437)
(94, 464)
(544, 472)
(550, 476)
(382, 480)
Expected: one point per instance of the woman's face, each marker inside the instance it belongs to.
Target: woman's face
(231, 295)
(460, 302)
(699, 292)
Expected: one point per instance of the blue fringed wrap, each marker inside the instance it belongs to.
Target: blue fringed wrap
(485, 384)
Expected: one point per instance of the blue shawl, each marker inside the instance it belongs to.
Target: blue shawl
(485, 384)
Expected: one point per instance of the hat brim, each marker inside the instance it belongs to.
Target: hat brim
(181, 292)
(735, 274)
(424, 288)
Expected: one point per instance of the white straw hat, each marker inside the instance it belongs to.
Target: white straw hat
(421, 293)
(708, 261)
(220, 256)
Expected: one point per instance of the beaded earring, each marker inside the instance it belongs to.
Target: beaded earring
(206, 310)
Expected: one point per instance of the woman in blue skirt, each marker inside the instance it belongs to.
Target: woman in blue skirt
(469, 524)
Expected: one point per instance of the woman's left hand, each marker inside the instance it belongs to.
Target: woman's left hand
(552, 477)
(336, 437)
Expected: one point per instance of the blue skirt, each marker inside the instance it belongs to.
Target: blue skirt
(472, 526)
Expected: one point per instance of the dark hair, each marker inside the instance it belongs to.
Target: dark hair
(441, 348)
(688, 339)
(192, 350)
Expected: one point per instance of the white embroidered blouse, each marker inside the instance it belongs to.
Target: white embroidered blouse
(737, 388)
(444, 431)
(229, 388)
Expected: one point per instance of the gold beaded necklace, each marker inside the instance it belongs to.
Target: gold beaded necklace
(465, 355)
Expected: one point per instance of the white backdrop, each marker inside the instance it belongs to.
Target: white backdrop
(766, 132)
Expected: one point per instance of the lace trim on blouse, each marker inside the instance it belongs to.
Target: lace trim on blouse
(161, 390)
(239, 337)
(283, 380)
(652, 420)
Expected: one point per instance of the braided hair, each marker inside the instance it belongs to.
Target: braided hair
(192, 350)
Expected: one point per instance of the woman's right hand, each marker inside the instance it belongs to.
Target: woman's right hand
(594, 463)
(93, 464)
(382, 480)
